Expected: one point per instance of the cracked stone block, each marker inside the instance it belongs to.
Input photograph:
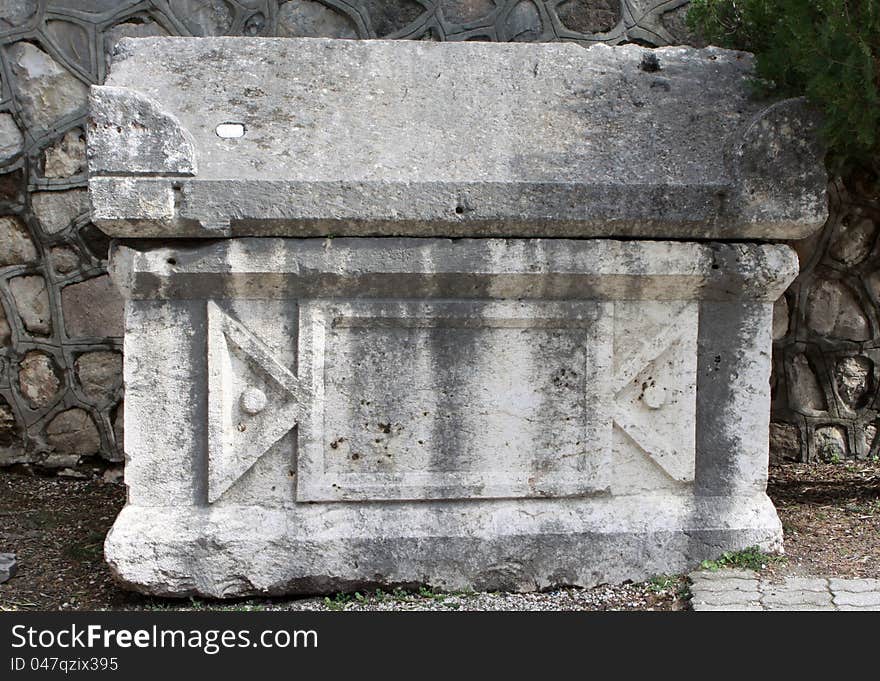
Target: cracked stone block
(8, 567)
(67, 157)
(854, 378)
(5, 331)
(830, 443)
(73, 432)
(64, 260)
(11, 139)
(93, 308)
(819, 584)
(99, 374)
(727, 597)
(785, 442)
(804, 390)
(57, 209)
(724, 574)
(723, 585)
(310, 19)
(749, 607)
(38, 379)
(834, 311)
(18, 247)
(857, 598)
(780, 318)
(32, 303)
(589, 16)
(855, 242)
(853, 585)
(466, 11)
(43, 88)
(787, 596)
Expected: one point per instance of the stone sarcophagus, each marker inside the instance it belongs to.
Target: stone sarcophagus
(468, 315)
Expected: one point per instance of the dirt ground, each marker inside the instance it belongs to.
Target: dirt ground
(56, 526)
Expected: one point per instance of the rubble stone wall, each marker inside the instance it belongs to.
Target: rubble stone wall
(61, 397)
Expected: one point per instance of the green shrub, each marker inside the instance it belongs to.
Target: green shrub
(827, 50)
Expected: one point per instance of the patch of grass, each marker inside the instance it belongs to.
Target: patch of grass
(751, 558)
(662, 583)
(676, 585)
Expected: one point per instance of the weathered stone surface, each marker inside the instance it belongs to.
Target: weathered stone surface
(11, 139)
(92, 308)
(14, 13)
(67, 156)
(589, 16)
(156, 145)
(204, 17)
(44, 89)
(388, 16)
(858, 598)
(130, 29)
(56, 210)
(9, 436)
(805, 393)
(465, 11)
(833, 310)
(854, 243)
(5, 331)
(311, 19)
(38, 379)
(792, 593)
(18, 247)
(73, 432)
(99, 374)
(830, 443)
(780, 318)
(8, 567)
(865, 438)
(426, 372)
(854, 379)
(32, 303)
(554, 154)
(785, 442)
(64, 260)
(119, 426)
(466, 413)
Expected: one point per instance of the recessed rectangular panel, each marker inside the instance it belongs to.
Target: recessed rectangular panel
(458, 400)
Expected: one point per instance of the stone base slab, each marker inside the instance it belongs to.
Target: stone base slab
(513, 545)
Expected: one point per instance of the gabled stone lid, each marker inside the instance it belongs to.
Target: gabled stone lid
(208, 137)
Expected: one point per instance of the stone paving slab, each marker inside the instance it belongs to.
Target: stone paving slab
(745, 590)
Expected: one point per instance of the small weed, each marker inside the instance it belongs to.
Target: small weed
(339, 601)
(662, 583)
(752, 558)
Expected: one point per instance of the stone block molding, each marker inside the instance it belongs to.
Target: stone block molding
(56, 304)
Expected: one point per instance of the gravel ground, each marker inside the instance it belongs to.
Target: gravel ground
(56, 526)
